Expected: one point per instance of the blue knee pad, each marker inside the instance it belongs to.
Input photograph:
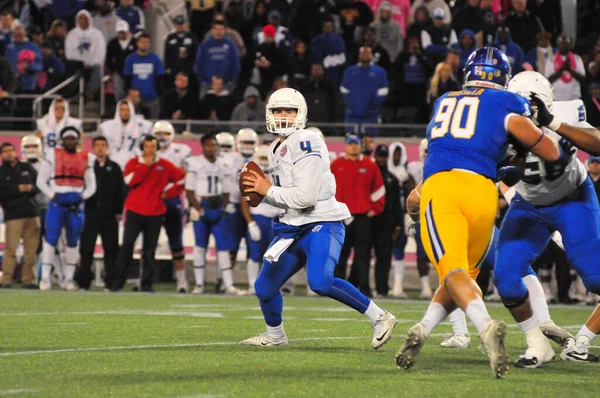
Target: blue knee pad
(265, 288)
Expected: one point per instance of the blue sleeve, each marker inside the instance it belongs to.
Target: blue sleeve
(437, 49)
(514, 103)
(159, 70)
(345, 87)
(315, 51)
(59, 66)
(235, 67)
(531, 57)
(382, 87)
(36, 66)
(198, 67)
(341, 45)
(128, 69)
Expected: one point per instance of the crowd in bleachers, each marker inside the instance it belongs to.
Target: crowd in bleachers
(223, 58)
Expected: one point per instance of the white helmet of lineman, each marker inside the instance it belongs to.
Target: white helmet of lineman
(164, 133)
(286, 98)
(318, 131)
(528, 82)
(423, 149)
(31, 147)
(261, 156)
(247, 141)
(226, 142)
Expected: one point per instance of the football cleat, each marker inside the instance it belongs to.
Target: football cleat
(577, 351)
(182, 287)
(559, 335)
(535, 358)
(493, 298)
(45, 285)
(408, 353)
(592, 299)
(457, 341)
(492, 339)
(199, 289)
(251, 291)
(71, 287)
(264, 340)
(234, 291)
(382, 329)
(398, 291)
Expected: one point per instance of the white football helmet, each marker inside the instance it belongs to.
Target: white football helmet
(261, 156)
(226, 142)
(286, 98)
(528, 82)
(423, 149)
(318, 131)
(247, 141)
(31, 147)
(159, 129)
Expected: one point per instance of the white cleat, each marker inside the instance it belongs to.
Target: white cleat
(492, 339)
(251, 292)
(45, 285)
(398, 291)
(382, 329)
(71, 287)
(234, 291)
(577, 351)
(264, 340)
(592, 299)
(535, 357)
(457, 341)
(182, 288)
(426, 294)
(493, 298)
(415, 340)
(199, 289)
(559, 335)
(310, 292)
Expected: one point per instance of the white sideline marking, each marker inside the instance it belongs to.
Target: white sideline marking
(314, 331)
(74, 323)
(16, 391)
(148, 347)
(194, 327)
(160, 313)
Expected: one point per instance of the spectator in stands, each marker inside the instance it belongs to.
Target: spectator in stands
(26, 59)
(594, 68)
(134, 96)
(118, 49)
(538, 56)
(144, 70)
(421, 22)
(85, 46)
(299, 67)
(53, 69)
(36, 35)
(103, 212)
(453, 59)
(388, 32)
(438, 39)
(8, 86)
(565, 71)
(490, 29)
(431, 5)
(230, 33)
(319, 95)
(593, 105)
(252, 109)
(413, 69)
(400, 10)
(442, 82)
(269, 60)
(469, 17)
(278, 83)
(133, 15)
(180, 102)
(465, 46)
(6, 26)
(21, 215)
(329, 50)
(380, 55)
(282, 37)
(65, 11)
(200, 13)
(550, 14)
(217, 56)
(106, 19)
(307, 18)
(360, 186)
(513, 51)
(181, 47)
(218, 103)
(365, 88)
(524, 25)
(57, 35)
(255, 18)
(354, 17)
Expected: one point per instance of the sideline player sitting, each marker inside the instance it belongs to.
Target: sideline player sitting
(310, 231)
(67, 178)
(468, 136)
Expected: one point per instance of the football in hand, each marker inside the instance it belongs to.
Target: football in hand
(252, 198)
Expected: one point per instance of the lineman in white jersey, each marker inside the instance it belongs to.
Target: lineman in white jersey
(122, 133)
(310, 230)
(67, 178)
(176, 153)
(561, 200)
(207, 194)
(259, 220)
(58, 117)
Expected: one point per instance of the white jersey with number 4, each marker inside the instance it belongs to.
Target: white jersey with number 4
(534, 186)
(303, 185)
(233, 162)
(175, 153)
(206, 179)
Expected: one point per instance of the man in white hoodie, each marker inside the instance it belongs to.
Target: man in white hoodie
(122, 134)
(58, 117)
(86, 44)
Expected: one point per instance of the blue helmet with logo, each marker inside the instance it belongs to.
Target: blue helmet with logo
(487, 67)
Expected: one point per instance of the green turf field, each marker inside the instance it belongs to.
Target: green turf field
(139, 345)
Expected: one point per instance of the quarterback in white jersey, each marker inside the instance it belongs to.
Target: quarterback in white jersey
(310, 231)
(208, 195)
(122, 134)
(58, 117)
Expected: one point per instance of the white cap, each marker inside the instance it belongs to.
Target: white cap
(121, 26)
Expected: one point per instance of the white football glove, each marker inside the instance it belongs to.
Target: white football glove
(230, 208)
(254, 231)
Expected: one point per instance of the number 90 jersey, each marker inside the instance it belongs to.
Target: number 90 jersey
(468, 130)
(206, 179)
(534, 186)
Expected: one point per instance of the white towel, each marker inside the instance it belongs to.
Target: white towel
(272, 255)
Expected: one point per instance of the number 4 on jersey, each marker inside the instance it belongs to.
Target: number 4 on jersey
(305, 146)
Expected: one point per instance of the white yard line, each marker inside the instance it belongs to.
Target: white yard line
(124, 312)
(16, 391)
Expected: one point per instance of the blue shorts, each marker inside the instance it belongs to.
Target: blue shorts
(235, 228)
(210, 222)
(59, 217)
(256, 250)
(173, 223)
